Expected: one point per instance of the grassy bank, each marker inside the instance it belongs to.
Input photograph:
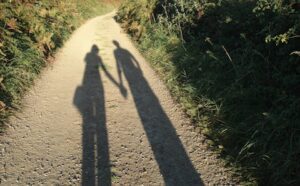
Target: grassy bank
(234, 66)
(30, 32)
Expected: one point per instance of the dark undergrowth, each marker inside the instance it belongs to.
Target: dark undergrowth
(235, 68)
(30, 32)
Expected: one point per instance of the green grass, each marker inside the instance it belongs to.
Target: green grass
(93, 7)
(230, 65)
(30, 32)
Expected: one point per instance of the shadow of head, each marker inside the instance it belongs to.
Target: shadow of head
(116, 43)
(95, 49)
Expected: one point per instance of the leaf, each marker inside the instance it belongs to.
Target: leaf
(1, 84)
(2, 16)
(295, 53)
(2, 53)
(43, 12)
(12, 24)
(2, 105)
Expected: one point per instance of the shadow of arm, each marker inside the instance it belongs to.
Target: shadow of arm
(110, 76)
(119, 85)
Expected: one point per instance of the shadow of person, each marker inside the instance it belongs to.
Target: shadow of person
(173, 161)
(90, 101)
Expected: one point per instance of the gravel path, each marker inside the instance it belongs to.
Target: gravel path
(101, 116)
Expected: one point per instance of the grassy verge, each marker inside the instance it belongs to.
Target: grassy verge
(234, 66)
(30, 32)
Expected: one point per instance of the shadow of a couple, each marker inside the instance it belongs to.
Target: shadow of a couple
(170, 155)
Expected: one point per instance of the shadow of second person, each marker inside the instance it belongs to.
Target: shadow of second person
(173, 161)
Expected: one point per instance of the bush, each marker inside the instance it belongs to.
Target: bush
(234, 66)
(31, 31)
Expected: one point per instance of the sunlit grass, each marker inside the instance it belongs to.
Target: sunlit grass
(32, 32)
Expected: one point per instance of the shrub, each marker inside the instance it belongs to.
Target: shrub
(31, 31)
(234, 66)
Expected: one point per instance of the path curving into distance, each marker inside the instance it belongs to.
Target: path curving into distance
(101, 116)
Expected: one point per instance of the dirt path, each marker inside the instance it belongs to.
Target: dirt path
(100, 116)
